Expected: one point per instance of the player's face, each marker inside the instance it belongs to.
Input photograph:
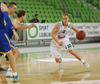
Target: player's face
(36, 17)
(13, 9)
(65, 19)
(23, 17)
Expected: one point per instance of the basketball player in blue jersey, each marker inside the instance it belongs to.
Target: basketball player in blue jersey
(60, 35)
(21, 15)
(5, 46)
(11, 10)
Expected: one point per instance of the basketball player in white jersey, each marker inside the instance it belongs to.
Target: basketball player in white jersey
(60, 37)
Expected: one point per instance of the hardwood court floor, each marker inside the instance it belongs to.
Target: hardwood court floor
(32, 70)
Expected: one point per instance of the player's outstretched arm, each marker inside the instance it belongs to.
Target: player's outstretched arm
(55, 29)
(22, 27)
(75, 29)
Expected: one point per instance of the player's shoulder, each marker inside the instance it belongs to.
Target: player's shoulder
(69, 24)
(13, 20)
(59, 23)
(56, 25)
(3, 7)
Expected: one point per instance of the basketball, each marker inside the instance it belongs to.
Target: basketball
(81, 35)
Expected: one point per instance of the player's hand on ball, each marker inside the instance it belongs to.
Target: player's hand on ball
(60, 43)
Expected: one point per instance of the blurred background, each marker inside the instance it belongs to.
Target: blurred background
(50, 11)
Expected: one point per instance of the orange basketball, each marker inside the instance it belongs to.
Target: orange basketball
(81, 35)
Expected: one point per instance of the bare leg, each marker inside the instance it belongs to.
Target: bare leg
(15, 54)
(12, 61)
(59, 60)
(78, 57)
(1, 68)
(75, 54)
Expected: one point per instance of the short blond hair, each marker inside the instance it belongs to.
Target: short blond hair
(65, 14)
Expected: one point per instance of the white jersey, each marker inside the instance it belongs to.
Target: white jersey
(62, 32)
(63, 36)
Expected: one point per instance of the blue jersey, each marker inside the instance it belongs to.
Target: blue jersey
(10, 32)
(2, 21)
(5, 45)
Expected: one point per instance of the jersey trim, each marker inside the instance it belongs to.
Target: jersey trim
(1, 6)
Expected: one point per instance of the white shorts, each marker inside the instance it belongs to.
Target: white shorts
(55, 49)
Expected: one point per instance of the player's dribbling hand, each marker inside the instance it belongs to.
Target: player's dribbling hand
(60, 43)
(15, 35)
(31, 25)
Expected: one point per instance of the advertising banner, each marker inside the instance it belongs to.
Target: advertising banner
(43, 30)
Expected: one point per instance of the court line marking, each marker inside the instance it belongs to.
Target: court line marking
(45, 60)
(80, 82)
(53, 60)
(17, 64)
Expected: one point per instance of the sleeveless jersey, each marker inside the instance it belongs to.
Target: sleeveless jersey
(62, 32)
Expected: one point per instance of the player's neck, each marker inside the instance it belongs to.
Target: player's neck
(9, 13)
(65, 24)
(19, 20)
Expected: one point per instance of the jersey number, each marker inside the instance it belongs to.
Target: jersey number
(69, 45)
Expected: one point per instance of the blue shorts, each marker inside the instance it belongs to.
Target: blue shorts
(5, 44)
(12, 47)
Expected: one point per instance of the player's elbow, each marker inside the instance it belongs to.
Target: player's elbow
(52, 35)
(16, 27)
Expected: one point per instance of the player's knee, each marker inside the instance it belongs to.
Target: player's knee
(18, 53)
(57, 60)
(9, 54)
